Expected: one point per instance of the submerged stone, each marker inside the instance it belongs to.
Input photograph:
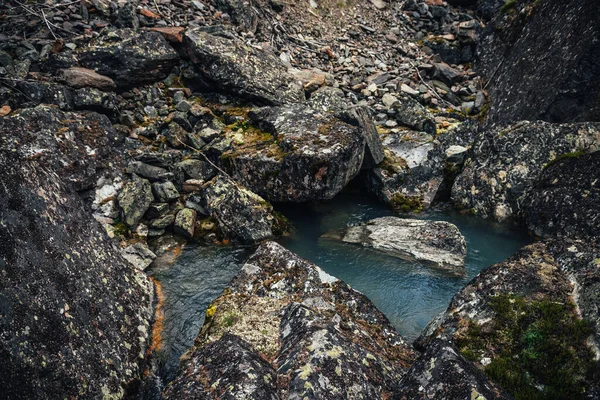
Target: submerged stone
(435, 242)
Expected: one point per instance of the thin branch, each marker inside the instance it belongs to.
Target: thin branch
(48, 24)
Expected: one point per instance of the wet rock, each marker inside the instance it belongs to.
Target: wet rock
(554, 44)
(138, 255)
(506, 163)
(240, 214)
(433, 242)
(295, 154)
(442, 373)
(324, 339)
(82, 77)
(245, 71)
(185, 222)
(226, 368)
(69, 301)
(165, 191)
(564, 201)
(135, 59)
(543, 291)
(134, 200)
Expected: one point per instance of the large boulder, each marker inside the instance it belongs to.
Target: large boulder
(418, 169)
(505, 164)
(542, 60)
(438, 243)
(321, 338)
(566, 199)
(133, 59)
(231, 65)
(532, 322)
(442, 373)
(294, 154)
(74, 315)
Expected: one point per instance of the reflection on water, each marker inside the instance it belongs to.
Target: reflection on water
(408, 293)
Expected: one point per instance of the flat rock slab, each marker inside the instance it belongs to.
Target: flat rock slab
(434, 242)
(301, 332)
(244, 70)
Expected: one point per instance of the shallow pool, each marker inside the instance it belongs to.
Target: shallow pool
(408, 293)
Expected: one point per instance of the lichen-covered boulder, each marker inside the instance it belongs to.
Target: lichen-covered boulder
(231, 65)
(294, 154)
(239, 213)
(442, 373)
(74, 315)
(505, 164)
(418, 169)
(323, 339)
(556, 45)
(516, 319)
(132, 59)
(438, 243)
(566, 198)
(134, 200)
(211, 374)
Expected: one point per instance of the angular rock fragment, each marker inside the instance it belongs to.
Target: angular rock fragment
(565, 201)
(185, 222)
(243, 70)
(435, 242)
(506, 163)
(134, 200)
(138, 255)
(294, 154)
(324, 339)
(239, 213)
(135, 59)
(78, 78)
(442, 373)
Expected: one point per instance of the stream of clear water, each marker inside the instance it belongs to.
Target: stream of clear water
(408, 293)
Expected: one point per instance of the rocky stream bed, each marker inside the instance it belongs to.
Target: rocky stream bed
(270, 199)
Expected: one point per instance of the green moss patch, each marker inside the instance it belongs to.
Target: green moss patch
(406, 204)
(539, 348)
(574, 154)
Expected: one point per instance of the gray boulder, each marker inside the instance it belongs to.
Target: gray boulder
(185, 222)
(74, 315)
(516, 318)
(443, 373)
(434, 242)
(135, 59)
(239, 213)
(165, 191)
(134, 199)
(294, 154)
(565, 201)
(246, 71)
(327, 340)
(506, 163)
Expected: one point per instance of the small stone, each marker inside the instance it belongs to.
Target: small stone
(185, 222)
(389, 100)
(165, 191)
(83, 77)
(71, 46)
(183, 106)
(138, 255)
(5, 110)
(408, 90)
(192, 185)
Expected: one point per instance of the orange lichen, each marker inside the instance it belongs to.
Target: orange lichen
(159, 317)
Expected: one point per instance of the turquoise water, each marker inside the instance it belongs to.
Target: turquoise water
(408, 293)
